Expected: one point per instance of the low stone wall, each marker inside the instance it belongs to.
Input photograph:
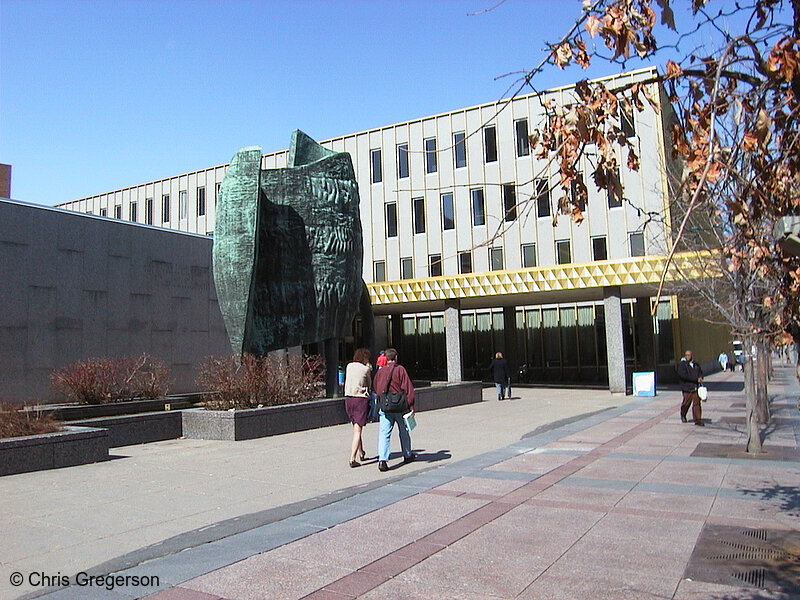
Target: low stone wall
(253, 423)
(141, 428)
(69, 447)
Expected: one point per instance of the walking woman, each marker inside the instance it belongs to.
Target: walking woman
(357, 384)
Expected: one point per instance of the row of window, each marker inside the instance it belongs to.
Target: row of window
(459, 151)
(478, 206)
(497, 262)
(490, 152)
(183, 207)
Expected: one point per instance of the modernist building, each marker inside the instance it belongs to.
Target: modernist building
(461, 253)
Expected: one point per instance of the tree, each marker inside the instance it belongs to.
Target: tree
(735, 132)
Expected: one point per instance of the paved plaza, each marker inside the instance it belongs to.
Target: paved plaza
(556, 493)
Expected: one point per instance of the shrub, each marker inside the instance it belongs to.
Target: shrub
(251, 381)
(99, 380)
(15, 422)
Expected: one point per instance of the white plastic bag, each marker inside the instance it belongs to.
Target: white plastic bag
(702, 392)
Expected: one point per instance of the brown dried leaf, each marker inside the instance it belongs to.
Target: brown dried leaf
(562, 55)
(593, 25)
(673, 70)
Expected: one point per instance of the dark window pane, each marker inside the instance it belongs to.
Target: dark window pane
(490, 143)
(118, 211)
(406, 269)
(201, 201)
(637, 244)
(563, 254)
(542, 191)
(465, 262)
(627, 123)
(599, 250)
(375, 161)
(380, 270)
(521, 128)
(165, 208)
(148, 211)
(478, 207)
(510, 201)
(103, 212)
(528, 255)
(419, 215)
(402, 161)
(448, 215)
(460, 149)
(435, 265)
(133, 212)
(430, 155)
(391, 219)
(496, 259)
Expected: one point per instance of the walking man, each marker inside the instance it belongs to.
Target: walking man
(690, 375)
(393, 378)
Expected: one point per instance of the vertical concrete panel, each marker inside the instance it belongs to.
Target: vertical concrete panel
(612, 308)
(452, 334)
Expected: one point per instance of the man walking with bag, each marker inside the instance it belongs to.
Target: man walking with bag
(396, 398)
(690, 375)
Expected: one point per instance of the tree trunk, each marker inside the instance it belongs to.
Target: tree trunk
(762, 376)
(753, 433)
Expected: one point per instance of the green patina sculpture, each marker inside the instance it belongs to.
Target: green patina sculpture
(288, 248)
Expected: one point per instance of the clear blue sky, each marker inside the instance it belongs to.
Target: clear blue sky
(97, 95)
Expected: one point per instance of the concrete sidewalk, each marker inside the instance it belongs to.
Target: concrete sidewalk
(609, 505)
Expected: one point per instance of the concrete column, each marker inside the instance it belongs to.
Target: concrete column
(511, 351)
(612, 308)
(646, 350)
(452, 334)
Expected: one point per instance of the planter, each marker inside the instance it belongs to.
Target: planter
(142, 428)
(69, 447)
(251, 423)
(76, 412)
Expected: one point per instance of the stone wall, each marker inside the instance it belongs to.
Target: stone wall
(74, 286)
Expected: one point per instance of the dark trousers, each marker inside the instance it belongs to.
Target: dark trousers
(693, 400)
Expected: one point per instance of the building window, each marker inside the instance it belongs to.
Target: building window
(460, 149)
(542, 191)
(391, 219)
(419, 215)
(563, 252)
(430, 155)
(528, 255)
(133, 212)
(578, 193)
(375, 162)
(148, 211)
(435, 265)
(637, 243)
(118, 211)
(521, 130)
(165, 208)
(465, 262)
(201, 201)
(614, 191)
(510, 201)
(490, 143)
(599, 249)
(379, 268)
(402, 161)
(448, 214)
(217, 189)
(103, 212)
(183, 204)
(478, 207)
(496, 259)
(627, 123)
(406, 269)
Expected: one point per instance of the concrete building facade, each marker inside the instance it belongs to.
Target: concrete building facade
(451, 200)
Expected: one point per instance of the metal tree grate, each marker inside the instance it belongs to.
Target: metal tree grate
(762, 558)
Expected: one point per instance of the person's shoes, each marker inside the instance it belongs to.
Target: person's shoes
(354, 464)
(382, 466)
(684, 419)
(363, 457)
(699, 423)
(409, 459)
(499, 397)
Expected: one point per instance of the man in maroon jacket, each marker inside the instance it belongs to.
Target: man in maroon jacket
(395, 378)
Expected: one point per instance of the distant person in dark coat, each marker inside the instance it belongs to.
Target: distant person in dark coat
(690, 375)
(501, 375)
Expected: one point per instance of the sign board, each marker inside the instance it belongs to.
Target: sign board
(644, 383)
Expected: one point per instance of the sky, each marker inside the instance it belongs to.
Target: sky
(97, 95)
